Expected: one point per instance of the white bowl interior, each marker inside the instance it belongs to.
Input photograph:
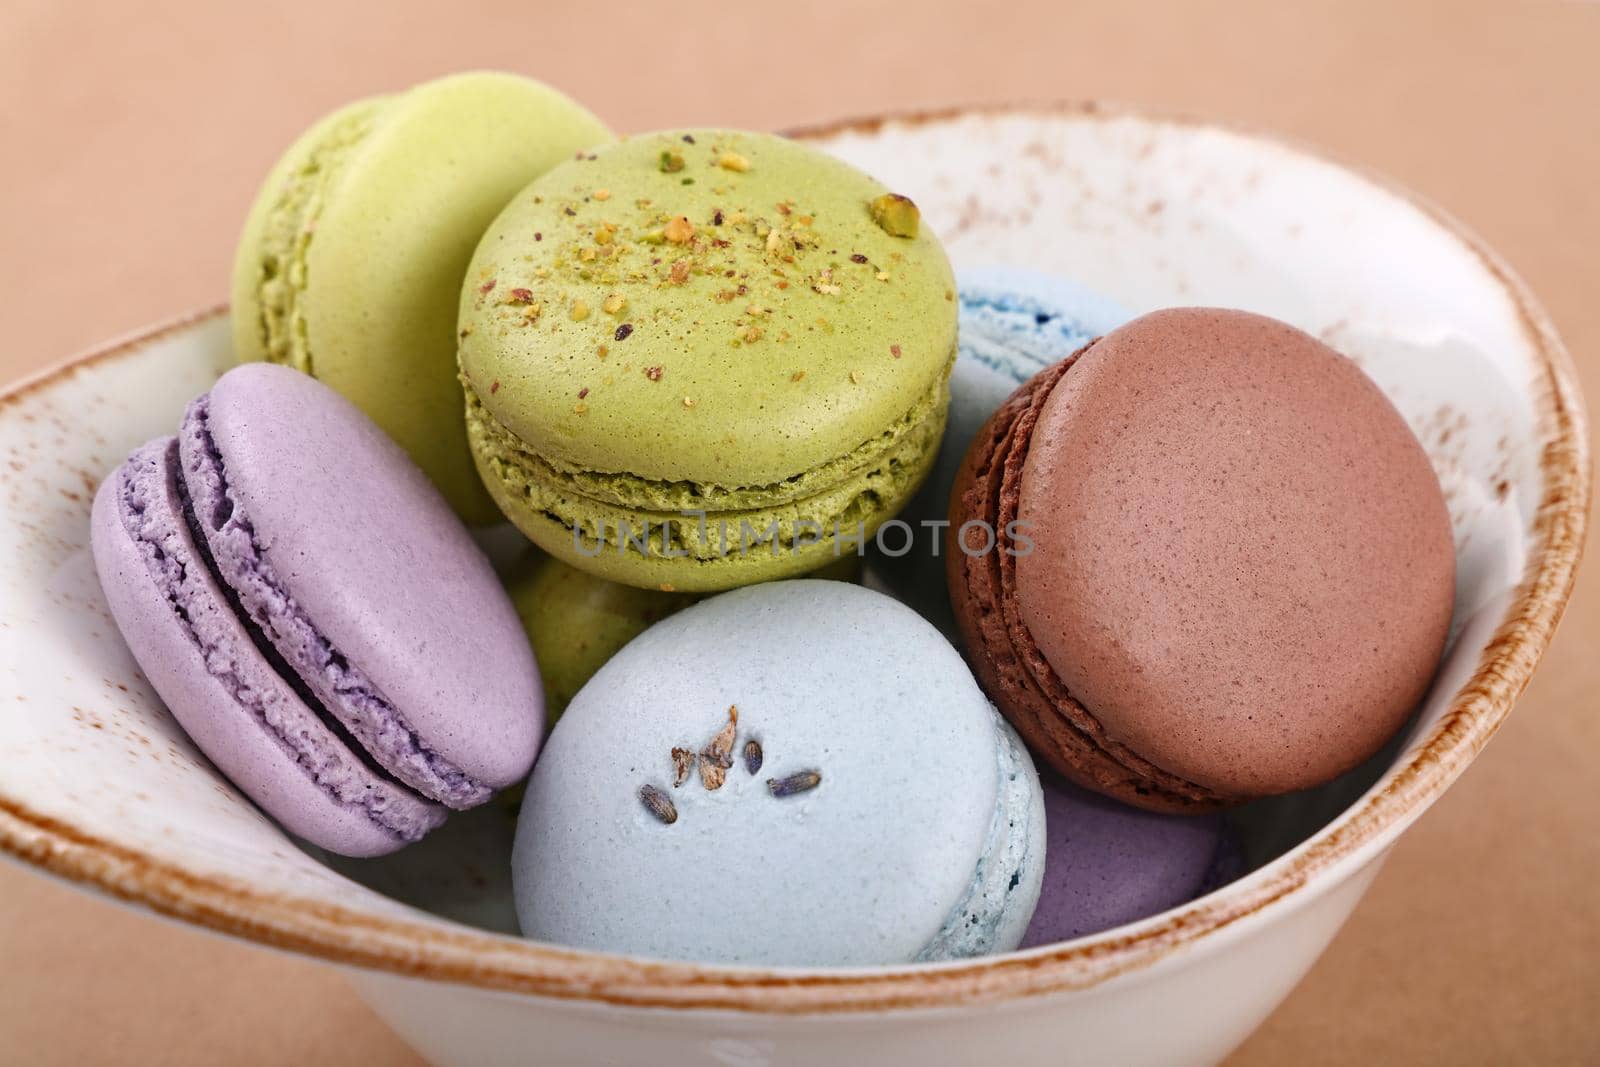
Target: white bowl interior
(1152, 213)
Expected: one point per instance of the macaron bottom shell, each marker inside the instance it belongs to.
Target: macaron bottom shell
(703, 549)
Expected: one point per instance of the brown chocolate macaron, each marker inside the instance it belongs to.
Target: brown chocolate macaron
(1200, 561)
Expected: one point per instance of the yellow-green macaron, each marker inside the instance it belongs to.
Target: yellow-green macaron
(699, 359)
(576, 622)
(351, 260)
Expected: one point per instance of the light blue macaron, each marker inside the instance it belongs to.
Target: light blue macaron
(800, 773)
(1014, 323)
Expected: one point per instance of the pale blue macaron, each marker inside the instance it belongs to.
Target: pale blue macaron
(800, 773)
(1013, 324)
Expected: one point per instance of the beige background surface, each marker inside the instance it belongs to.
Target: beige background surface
(134, 137)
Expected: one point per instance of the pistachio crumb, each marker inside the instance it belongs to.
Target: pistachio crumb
(679, 231)
(855, 377)
(602, 194)
(670, 161)
(653, 373)
(894, 350)
(579, 311)
(614, 303)
(688, 401)
(798, 375)
(751, 333)
(896, 215)
(883, 275)
(679, 272)
(733, 161)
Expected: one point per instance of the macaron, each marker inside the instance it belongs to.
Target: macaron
(1202, 561)
(315, 616)
(1014, 323)
(350, 264)
(799, 773)
(700, 359)
(575, 621)
(1107, 864)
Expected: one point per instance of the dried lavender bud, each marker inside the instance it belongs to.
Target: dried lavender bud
(711, 775)
(799, 782)
(659, 804)
(752, 756)
(682, 764)
(717, 756)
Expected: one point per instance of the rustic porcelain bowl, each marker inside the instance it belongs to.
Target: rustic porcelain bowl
(100, 787)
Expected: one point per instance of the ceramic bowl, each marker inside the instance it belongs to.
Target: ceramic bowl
(100, 787)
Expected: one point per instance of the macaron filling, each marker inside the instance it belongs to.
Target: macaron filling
(291, 227)
(994, 912)
(1043, 709)
(150, 506)
(337, 685)
(861, 487)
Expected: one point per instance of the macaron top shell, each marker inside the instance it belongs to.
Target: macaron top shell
(351, 261)
(1242, 562)
(373, 556)
(706, 306)
(866, 865)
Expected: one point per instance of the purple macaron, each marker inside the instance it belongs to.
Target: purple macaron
(1106, 864)
(315, 616)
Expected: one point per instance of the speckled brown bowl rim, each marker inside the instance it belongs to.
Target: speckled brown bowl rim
(445, 952)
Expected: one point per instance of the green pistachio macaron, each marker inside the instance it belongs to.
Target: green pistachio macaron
(576, 621)
(351, 261)
(699, 359)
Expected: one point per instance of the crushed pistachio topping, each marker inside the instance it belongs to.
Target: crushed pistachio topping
(896, 215)
(733, 161)
(679, 231)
